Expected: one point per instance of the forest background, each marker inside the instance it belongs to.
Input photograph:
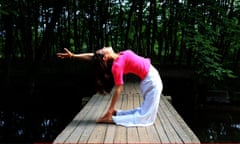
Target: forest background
(200, 35)
(181, 35)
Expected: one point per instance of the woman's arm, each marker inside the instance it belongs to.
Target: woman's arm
(69, 54)
(115, 98)
(107, 117)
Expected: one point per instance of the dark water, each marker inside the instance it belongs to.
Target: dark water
(213, 118)
(37, 108)
(36, 104)
(22, 127)
(216, 125)
(41, 116)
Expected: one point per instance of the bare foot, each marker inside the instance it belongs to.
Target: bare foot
(105, 120)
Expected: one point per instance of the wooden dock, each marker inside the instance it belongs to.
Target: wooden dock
(169, 127)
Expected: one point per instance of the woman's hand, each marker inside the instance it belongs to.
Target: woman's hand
(107, 118)
(67, 54)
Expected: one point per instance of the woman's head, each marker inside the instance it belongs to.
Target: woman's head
(103, 73)
(107, 53)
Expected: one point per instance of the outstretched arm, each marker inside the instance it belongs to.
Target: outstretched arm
(69, 54)
(107, 117)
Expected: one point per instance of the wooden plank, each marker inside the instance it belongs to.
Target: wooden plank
(63, 136)
(160, 128)
(121, 132)
(187, 134)
(120, 135)
(98, 133)
(170, 131)
(84, 124)
(110, 134)
(152, 134)
(111, 129)
(142, 131)
(146, 134)
(171, 118)
(143, 135)
(169, 127)
(132, 134)
(95, 114)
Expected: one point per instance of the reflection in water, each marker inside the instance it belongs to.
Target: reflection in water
(18, 121)
(222, 132)
(47, 125)
(38, 103)
(219, 127)
(21, 127)
(15, 127)
(237, 126)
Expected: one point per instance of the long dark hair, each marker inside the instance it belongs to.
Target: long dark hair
(103, 74)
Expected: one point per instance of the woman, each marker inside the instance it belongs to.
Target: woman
(111, 67)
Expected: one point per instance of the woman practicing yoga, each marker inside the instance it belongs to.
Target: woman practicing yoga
(110, 67)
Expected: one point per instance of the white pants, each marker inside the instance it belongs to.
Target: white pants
(151, 89)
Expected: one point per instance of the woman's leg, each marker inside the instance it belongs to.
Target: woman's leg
(127, 112)
(151, 89)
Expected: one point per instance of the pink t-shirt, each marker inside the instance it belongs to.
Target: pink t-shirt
(129, 62)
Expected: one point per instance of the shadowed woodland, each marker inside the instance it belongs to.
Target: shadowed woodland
(194, 44)
(202, 36)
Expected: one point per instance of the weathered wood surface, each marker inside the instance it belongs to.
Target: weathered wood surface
(169, 127)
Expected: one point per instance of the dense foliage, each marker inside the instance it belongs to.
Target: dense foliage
(203, 35)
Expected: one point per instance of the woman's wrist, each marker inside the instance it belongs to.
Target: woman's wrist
(110, 111)
(71, 56)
